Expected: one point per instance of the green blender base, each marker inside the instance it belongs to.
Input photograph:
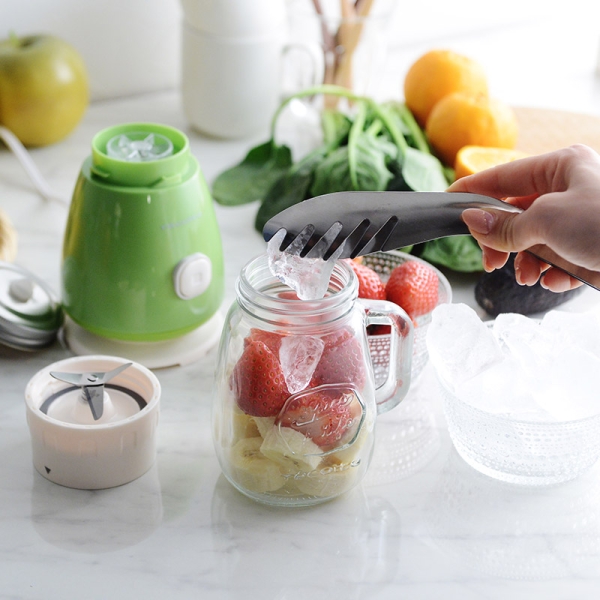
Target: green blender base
(178, 351)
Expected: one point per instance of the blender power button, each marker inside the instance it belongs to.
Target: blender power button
(192, 275)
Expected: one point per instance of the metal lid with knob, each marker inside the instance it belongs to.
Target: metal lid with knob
(30, 312)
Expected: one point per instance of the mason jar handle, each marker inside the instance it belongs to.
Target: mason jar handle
(395, 387)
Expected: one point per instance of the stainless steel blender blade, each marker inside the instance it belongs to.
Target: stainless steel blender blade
(92, 386)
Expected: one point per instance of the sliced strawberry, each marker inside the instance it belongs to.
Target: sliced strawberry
(342, 360)
(258, 382)
(369, 283)
(324, 416)
(271, 339)
(414, 287)
(288, 295)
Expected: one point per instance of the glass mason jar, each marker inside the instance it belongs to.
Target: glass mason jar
(296, 403)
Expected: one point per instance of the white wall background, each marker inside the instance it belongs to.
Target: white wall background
(129, 46)
(133, 46)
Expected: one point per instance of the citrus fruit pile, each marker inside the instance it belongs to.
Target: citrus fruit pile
(448, 94)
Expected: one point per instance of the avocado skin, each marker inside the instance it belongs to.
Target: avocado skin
(498, 292)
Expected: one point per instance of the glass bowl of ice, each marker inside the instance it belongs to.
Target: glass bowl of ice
(383, 263)
(520, 395)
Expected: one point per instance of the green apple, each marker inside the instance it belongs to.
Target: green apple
(43, 88)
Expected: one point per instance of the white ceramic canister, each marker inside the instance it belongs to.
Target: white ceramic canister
(231, 64)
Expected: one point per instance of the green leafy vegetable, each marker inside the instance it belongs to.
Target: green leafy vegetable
(378, 147)
(251, 179)
(459, 253)
(289, 189)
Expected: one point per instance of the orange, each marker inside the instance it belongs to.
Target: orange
(473, 159)
(438, 73)
(459, 120)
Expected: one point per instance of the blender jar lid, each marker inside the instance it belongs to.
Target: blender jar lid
(30, 313)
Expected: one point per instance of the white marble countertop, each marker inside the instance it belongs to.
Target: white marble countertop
(433, 528)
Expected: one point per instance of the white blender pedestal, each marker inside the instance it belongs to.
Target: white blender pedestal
(178, 351)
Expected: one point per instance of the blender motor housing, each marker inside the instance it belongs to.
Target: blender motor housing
(142, 255)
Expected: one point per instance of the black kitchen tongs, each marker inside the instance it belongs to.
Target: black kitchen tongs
(366, 222)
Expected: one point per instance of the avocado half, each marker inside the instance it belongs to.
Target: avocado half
(498, 292)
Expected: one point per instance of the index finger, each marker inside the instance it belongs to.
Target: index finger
(531, 176)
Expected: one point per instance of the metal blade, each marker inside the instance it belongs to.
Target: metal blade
(95, 399)
(106, 377)
(72, 378)
(92, 386)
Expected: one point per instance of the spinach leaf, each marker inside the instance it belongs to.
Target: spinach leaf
(291, 187)
(420, 170)
(361, 164)
(459, 253)
(336, 126)
(250, 180)
(423, 172)
(336, 173)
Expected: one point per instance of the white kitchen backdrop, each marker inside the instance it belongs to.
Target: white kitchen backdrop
(133, 46)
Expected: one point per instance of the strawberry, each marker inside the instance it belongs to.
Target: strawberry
(342, 360)
(258, 382)
(324, 416)
(369, 284)
(414, 287)
(271, 339)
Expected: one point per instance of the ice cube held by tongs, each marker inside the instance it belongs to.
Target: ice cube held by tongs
(367, 222)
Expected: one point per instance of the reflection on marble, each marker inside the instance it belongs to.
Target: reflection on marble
(99, 520)
(516, 532)
(406, 438)
(347, 549)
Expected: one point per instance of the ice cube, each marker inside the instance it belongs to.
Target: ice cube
(308, 277)
(460, 344)
(567, 385)
(139, 146)
(580, 329)
(504, 388)
(298, 356)
(524, 338)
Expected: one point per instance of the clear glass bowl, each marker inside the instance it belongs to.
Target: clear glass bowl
(521, 451)
(383, 263)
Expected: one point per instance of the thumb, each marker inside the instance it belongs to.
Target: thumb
(497, 229)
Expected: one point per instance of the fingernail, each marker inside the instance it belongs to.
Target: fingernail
(486, 265)
(518, 274)
(478, 220)
(559, 286)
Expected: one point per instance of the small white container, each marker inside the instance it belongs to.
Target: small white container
(231, 64)
(72, 449)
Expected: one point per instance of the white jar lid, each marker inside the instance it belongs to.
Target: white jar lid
(236, 17)
(74, 450)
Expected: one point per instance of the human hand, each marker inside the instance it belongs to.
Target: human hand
(559, 193)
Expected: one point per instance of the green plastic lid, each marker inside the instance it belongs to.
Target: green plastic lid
(140, 155)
